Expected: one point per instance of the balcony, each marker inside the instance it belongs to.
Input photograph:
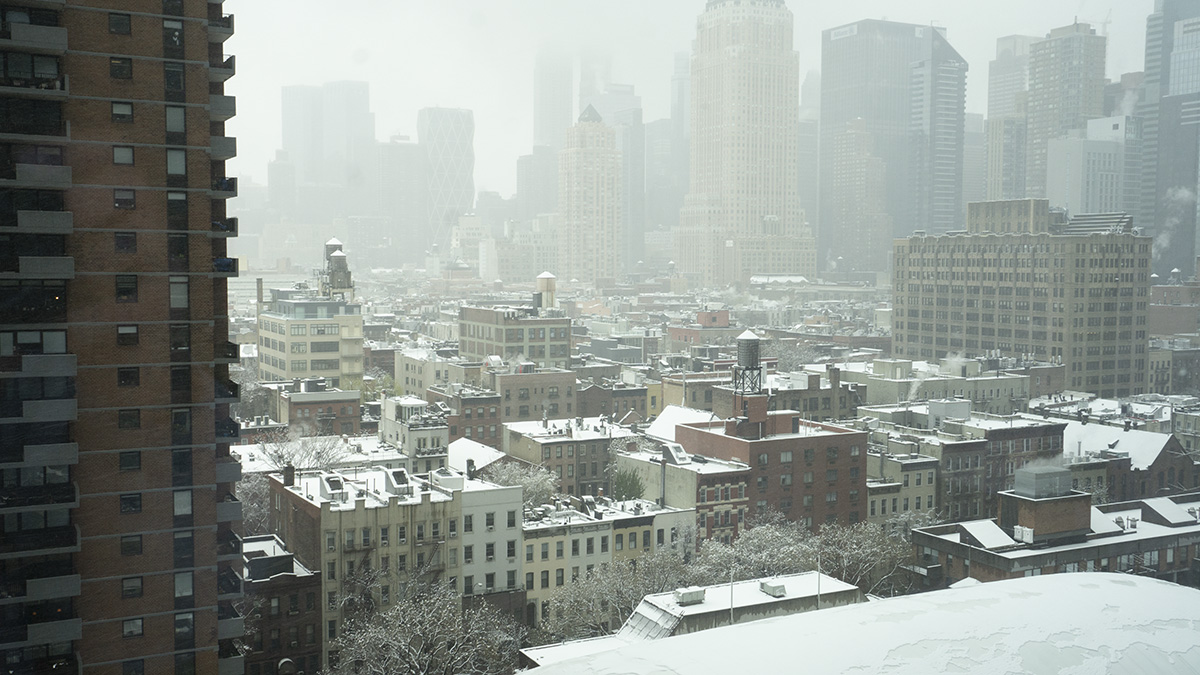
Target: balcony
(26, 497)
(229, 510)
(27, 37)
(224, 188)
(225, 391)
(47, 541)
(227, 430)
(28, 662)
(229, 544)
(231, 665)
(225, 267)
(228, 583)
(40, 365)
(49, 410)
(220, 29)
(48, 454)
(222, 71)
(43, 581)
(35, 87)
(230, 624)
(222, 147)
(39, 175)
(228, 471)
(46, 222)
(221, 107)
(39, 267)
(225, 352)
(227, 227)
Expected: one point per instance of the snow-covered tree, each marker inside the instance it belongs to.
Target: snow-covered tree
(537, 484)
(254, 492)
(282, 448)
(377, 384)
(626, 484)
(427, 631)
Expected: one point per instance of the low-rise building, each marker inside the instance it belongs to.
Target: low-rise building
(900, 480)
(542, 336)
(1045, 527)
(287, 612)
(576, 450)
(312, 407)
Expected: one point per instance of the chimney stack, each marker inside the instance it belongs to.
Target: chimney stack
(289, 475)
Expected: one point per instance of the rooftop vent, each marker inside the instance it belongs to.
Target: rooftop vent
(693, 595)
(773, 588)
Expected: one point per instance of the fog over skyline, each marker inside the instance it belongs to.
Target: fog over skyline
(480, 55)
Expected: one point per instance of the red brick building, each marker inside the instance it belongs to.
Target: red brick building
(810, 472)
(287, 614)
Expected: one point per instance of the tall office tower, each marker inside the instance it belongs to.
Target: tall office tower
(589, 191)
(938, 95)
(595, 72)
(1098, 170)
(537, 183)
(1066, 89)
(329, 135)
(905, 81)
(448, 136)
(621, 109)
(742, 215)
(1008, 76)
(664, 192)
(974, 183)
(1100, 258)
(403, 190)
(553, 86)
(1006, 158)
(681, 94)
(857, 196)
(1176, 240)
(808, 160)
(119, 542)
(1160, 46)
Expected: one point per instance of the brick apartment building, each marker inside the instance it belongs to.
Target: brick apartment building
(287, 613)
(812, 473)
(114, 350)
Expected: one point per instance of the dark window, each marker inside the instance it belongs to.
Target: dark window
(185, 664)
(130, 460)
(181, 340)
(131, 503)
(137, 667)
(127, 288)
(127, 335)
(184, 556)
(173, 7)
(131, 587)
(120, 68)
(181, 378)
(124, 198)
(177, 210)
(131, 544)
(172, 38)
(119, 24)
(122, 111)
(129, 419)
(173, 82)
(177, 254)
(125, 242)
(128, 377)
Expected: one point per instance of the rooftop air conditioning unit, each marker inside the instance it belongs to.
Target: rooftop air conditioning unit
(775, 589)
(453, 535)
(693, 595)
(491, 558)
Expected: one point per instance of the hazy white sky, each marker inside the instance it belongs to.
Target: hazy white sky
(478, 54)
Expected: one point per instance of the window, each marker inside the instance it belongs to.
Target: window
(131, 503)
(128, 377)
(131, 544)
(122, 154)
(131, 587)
(176, 162)
(559, 577)
(129, 460)
(119, 24)
(785, 457)
(173, 82)
(125, 242)
(127, 335)
(131, 628)
(178, 297)
(122, 111)
(129, 419)
(545, 578)
(124, 199)
(137, 667)
(126, 288)
(558, 549)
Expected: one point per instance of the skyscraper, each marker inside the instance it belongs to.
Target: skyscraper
(448, 136)
(589, 179)
(402, 195)
(1066, 89)
(537, 183)
(1008, 76)
(621, 109)
(1098, 170)
(1004, 129)
(119, 541)
(742, 214)
(937, 99)
(1160, 46)
(907, 84)
(1176, 240)
(552, 97)
(974, 182)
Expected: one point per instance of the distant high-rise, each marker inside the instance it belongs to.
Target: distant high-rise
(448, 136)
(1008, 76)
(1066, 89)
(589, 179)
(809, 138)
(1006, 158)
(1098, 170)
(937, 96)
(537, 183)
(742, 213)
(553, 97)
(621, 109)
(907, 84)
(974, 181)
(1176, 240)
(857, 194)
(402, 194)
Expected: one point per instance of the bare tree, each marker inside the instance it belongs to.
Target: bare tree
(426, 632)
(537, 484)
(254, 492)
(283, 448)
(626, 484)
(377, 384)
(252, 396)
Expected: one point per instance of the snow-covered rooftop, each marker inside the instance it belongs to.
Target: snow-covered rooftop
(1143, 446)
(1058, 623)
(663, 426)
(465, 449)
